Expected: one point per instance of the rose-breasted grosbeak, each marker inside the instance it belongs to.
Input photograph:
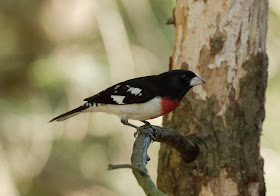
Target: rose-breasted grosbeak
(140, 98)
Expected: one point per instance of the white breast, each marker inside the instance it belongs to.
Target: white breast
(140, 111)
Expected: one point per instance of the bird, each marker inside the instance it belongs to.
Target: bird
(141, 98)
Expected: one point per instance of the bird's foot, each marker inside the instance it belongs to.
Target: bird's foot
(136, 133)
(145, 129)
(150, 127)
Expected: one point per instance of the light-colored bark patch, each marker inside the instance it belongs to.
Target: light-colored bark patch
(223, 185)
(253, 188)
(231, 28)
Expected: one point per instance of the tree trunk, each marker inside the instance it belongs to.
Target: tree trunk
(224, 43)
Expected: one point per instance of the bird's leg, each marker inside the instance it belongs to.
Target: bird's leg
(139, 129)
(125, 122)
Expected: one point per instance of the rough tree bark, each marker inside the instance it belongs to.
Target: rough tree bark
(224, 42)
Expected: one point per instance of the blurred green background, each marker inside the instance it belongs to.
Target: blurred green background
(54, 53)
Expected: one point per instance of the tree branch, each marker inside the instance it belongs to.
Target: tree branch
(139, 159)
(186, 146)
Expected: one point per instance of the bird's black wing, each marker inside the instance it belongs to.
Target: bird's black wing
(138, 90)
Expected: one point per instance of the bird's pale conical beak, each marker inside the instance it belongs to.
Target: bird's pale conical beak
(197, 80)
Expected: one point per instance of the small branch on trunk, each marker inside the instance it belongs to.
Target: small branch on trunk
(171, 20)
(121, 166)
(186, 146)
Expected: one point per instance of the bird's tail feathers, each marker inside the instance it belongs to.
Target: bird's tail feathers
(70, 114)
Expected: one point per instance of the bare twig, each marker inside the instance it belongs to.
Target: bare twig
(172, 19)
(119, 166)
(122, 166)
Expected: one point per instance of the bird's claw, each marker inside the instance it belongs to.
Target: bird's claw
(146, 123)
(136, 133)
(145, 131)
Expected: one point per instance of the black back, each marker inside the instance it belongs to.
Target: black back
(172, 84)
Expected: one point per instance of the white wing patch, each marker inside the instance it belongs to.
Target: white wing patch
(117, 86)
(135, 91)
(88, 104)
(118, 99)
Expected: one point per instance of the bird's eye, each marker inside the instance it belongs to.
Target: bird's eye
(184, 77)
